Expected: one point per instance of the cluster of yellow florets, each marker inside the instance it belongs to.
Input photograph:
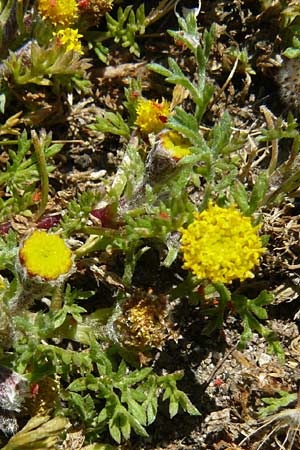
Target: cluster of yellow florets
(69, 38)
(46, 256)
(58, 12)
(151, 116)
(221, 245)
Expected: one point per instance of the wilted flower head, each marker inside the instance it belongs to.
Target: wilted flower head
(13, 389)
(69, 38)
(58, 12)
(151, 116)
(95, 7)
(45, 256)
(221, 245)
(144, 322)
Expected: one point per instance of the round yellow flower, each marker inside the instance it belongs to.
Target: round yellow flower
(45, 255)
(151, 116)
(221, 245)
(58, 11)
(175, 144)
(69, 38)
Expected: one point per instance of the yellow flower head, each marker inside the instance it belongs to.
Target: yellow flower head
(151, 116)
(46, 255)
(60, 12)
(69, 38)
(175, 144)
(221, 245)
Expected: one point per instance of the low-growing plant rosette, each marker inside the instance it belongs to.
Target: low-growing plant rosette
(45, 257)
(221, 245)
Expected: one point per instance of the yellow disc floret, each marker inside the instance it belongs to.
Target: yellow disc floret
(45, 255)
(151, 116)
(221, 245)
(69, 38)
(60, 12)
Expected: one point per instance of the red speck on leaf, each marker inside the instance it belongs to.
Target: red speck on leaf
(135, 94)
(34, 389)
(164, 215)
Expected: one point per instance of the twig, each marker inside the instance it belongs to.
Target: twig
(274, 152)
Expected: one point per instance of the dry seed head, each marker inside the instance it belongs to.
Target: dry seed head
(286, 423)
(144, 322)
(96, 7)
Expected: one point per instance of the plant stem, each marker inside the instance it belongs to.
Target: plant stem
(56, 300)
(225, 296)
(41, 162)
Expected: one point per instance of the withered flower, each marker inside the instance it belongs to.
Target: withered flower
(144, 323)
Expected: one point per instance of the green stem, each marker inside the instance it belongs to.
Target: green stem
(41, 162)
(225, 297)
(57, 298)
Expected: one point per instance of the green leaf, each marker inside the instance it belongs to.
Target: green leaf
(137, 376)
(292, 53)
(259, 191)
(137, 427)
(151, 402)
(136, 410)
(80, 384)
(275, 403)
(158, 68)
(186, 124)
(114, 428)
(173, 406)
(259, 311)
(112, 123)
(221, 133)
(187, 405)
(125, 426)
(240, 195)
(264, 298)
